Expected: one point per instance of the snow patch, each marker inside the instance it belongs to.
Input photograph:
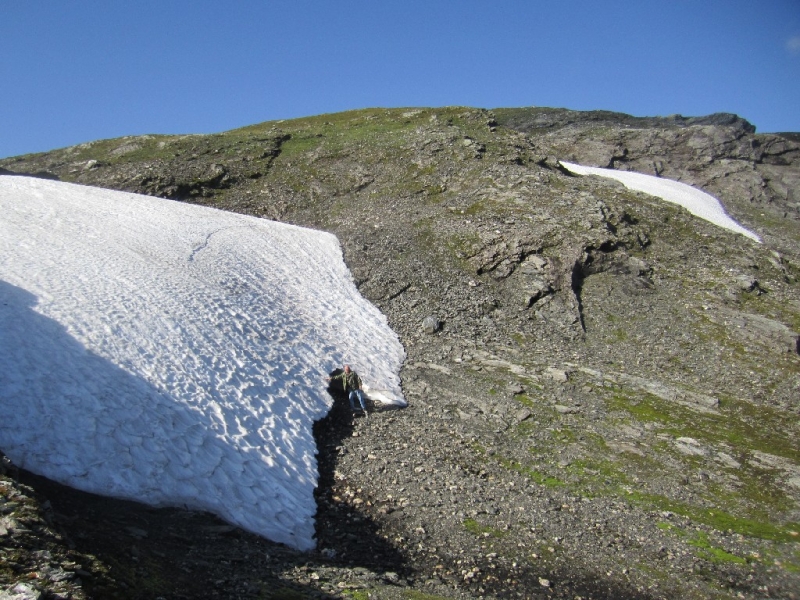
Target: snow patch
(697, 202)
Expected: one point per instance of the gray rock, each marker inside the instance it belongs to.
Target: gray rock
(523, 414)
(515, 389)
(559, 375)
(727, 460)
(431, 324)
(9, 524)
(391, 577)
(21, 591)
(638, 266)
(747, 283)
(535, 290)
(690, 446)
(533, 264)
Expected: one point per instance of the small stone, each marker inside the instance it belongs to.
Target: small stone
(637, 266)
(728, 460)
(544, 582)
(558, 375)
(23, 591)
(391, 577)
(689, 446)
(747, 283)
(538, 262)
(431, 324)
(8, 524)
(515, 389)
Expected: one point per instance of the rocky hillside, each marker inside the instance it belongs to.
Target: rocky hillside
(604, 390)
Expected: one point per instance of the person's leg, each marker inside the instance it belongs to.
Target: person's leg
(361, 400)
(351, 397)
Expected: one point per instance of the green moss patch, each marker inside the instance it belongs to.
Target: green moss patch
(532, 474)
(719, 519)
(701, 541)
(414, 595)
(475, 528)
(738, 424)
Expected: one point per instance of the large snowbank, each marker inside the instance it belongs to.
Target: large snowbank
(697, 202)
(176, 354)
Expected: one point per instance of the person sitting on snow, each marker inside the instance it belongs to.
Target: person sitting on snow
(351, 383)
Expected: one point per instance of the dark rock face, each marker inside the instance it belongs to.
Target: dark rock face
(535, 119)
(606, 405)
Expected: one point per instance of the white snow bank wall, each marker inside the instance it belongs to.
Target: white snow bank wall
(176, 354)
(696, 201)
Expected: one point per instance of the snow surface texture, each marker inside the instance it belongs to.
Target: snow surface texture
(176, 354)
(697, 202)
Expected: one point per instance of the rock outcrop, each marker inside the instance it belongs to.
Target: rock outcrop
(720, 154)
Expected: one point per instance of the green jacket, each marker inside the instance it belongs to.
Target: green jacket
(350, 381)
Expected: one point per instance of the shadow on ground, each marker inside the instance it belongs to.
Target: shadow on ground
(342, 528)
(134, 551)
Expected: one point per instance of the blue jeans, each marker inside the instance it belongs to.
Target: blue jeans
(357, 394)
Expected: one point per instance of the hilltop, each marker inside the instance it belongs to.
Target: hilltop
(604, 403)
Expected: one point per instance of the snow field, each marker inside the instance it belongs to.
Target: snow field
(176, 354)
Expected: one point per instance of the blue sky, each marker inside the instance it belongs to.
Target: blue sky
(73, 72)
